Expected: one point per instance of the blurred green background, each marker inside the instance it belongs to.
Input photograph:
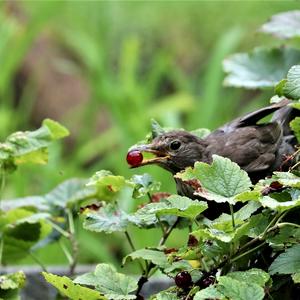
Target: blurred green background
(104, 69)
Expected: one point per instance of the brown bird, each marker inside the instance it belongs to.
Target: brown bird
(259, 149)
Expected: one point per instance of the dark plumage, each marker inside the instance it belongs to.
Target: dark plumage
(259, 149)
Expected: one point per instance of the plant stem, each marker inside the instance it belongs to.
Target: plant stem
(59, 229)
(1, 249)
(73, 241)
(144, 278)
(129, 241)
(66, 252)
(37, 260)
(133, 249)
(232, 215)
(247, 252)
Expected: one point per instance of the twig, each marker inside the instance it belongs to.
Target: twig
(167, 233)
(144, 278)
(232, 215)
(36, 259)
(73, 241)
(133, 249)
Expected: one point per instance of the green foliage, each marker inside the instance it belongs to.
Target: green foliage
(71, 290)
(220, 181)
(262, 68)
(30, 146)
(283, 25)
(218, 254)
(109, 282)
(11, 284)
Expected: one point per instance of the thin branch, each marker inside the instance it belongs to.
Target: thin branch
(168, 232)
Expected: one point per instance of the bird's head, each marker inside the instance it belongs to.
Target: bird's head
(174, 150)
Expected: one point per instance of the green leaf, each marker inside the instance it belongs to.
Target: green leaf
(239, 290)
(261, 68)
(73, 291)
(280, 206)
(256, 276)
(221, 181)
(22, 229)
(107, 184)
(286, 236)
(107, 219)
(69, 193)
(10, 285)
(12, 281)
(209, 293)
(287, 179)
(155, 256)
(296, 277)
(295, 125)
(30, 146)
(287, 262)
(166, 296)
(174, 205)
(291, 88)
(143, 185)
(284, 25)
(57, 131)
(109, 282)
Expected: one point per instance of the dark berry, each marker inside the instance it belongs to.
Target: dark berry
(183, 279)
(134, 158)
(206, 282)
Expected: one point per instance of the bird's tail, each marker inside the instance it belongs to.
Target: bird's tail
(284, 116)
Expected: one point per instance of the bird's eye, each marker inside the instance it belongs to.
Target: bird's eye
(175, 145)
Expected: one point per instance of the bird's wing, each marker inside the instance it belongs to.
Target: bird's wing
(253, 148)
(253, 117)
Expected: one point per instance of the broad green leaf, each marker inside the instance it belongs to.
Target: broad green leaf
(286, 236)
(221, 181)
(107, 184)
(143, 185)
(57, 131)
(295, 125)
(69, 192)
(210, 292)
(261, 68)
(256, 276)
(284, 25)
(12, 281)
(287, 179)
(107, 219)
(22, 229)
(71, 290)
(239, 290)
(291, 88)
(37, 202)
(155, 256)
(30, 146)
(109, 282)
(248, 196)
(280, 206)
(296, 277)
(174, 205)
(287, 262)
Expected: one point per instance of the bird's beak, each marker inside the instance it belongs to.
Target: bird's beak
(159, 155)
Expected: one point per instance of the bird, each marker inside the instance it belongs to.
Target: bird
(258, 148)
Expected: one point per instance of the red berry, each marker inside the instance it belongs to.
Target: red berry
(134, 158)
(183, 279)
